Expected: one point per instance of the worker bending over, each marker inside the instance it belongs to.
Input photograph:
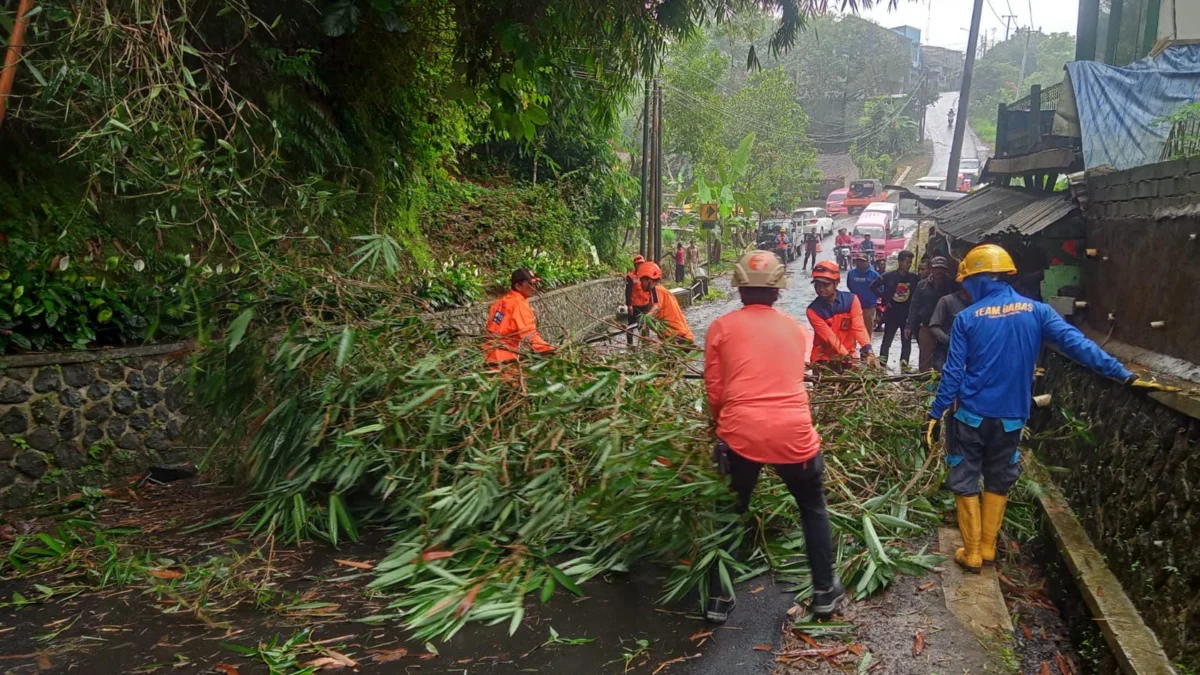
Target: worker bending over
(511, 323)
(986, 387)
(663, 305)
(837, 320)
(754, 375)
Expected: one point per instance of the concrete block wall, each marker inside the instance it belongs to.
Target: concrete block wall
(1145, 225)
(85, 417)
(575, 310)
(1131, 480)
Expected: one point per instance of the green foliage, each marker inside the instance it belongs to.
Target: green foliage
(49, 299)
(893, 134)
(1184, 129)
(998, 75)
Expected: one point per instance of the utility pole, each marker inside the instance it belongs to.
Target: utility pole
(644, 217)
(13, 54)
(1008, 21)
(658, 170)
(964, 98)
(1024, 55)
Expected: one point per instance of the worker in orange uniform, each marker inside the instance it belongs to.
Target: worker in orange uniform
(663, 305)
(754, 376)
(837, 320)
(511, 323)
(637, 300)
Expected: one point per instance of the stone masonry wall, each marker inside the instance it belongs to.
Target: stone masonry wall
(576, 310)
(1135, 486)
(82, 418)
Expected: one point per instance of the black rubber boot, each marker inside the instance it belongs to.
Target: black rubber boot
(824, 603)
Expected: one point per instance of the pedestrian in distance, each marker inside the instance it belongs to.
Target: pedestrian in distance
(811, 243)
(837, 321)
(929, 291)
(680, 261)
(664, 306)
(754, 377)
(637, 300)
(693, 257)
(941, 322)
(897, 288)
(861, 281)
(986, 387)
(511, 324)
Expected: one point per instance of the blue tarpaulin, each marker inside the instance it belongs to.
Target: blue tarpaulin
(1118, 107)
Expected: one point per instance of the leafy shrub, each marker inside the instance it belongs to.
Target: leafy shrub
(450, 285)
(555, 271)
(48, 299)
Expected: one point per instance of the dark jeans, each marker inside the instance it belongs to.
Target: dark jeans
(893, 323)
(634, 319)
(679, 270)
(804, 481)
(989, 451)
(809, 255)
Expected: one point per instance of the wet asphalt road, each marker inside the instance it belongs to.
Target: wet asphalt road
(942, 137)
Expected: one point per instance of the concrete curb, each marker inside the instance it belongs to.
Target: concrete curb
(1131, 641)
(88, 355)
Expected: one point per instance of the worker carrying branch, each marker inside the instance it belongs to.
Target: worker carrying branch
(511, 323)
(663, 305)
(837, 320)
(986, 388)
(754, 376)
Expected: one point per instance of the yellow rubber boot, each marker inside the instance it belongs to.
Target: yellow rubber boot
(969, 524)
(992, 517)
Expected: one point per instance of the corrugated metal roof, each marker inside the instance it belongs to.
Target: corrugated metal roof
(1037, 216)
(995, 209)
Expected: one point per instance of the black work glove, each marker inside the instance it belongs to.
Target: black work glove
(720, 456)
(930, 431)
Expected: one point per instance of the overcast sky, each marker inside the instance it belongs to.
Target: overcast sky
(946, 25)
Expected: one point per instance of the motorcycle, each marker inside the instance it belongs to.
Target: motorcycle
(843, 257)
(950, 120)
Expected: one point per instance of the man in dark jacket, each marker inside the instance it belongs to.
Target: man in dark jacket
(896, 288)
(924, 302)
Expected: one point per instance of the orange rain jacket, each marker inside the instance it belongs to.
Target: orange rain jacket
(635, 295)
(671, 314)
(510, 323)
(838, 326)
(754, 374)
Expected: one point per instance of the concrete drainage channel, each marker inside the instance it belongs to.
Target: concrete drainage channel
(1105, 627)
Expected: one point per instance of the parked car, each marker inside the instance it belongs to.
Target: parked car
(813, 218)
(969, 166)
(768, 230)
(931, 183)
(863, 193)
(835, 203)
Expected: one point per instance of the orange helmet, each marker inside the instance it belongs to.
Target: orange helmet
(639, 259)
(827, 271)
(649, 269)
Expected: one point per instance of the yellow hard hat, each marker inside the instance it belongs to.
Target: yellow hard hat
(986, 259)
(759, 269)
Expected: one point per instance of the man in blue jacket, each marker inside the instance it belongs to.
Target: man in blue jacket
(987, 386)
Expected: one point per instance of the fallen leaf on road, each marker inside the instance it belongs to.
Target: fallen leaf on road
(811, 642)
(43, 661)
(758, 590)
(427, 656)
(1045, 668)
(1065, 666)
(165, 574)
(701, 634)
(918, 643)
(355, 564)
(1044, 633)
(225, 669)
(1099, 591)
(325, 663)
(1028, 634)
(856, 649)
(763, 648)
(663, 461)
(925, 586)
(389, 655)
(342, 658)
(793, 611)
(468, 600)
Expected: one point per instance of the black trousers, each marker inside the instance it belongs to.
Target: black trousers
(679, 270)
(804, 482)
(634, 319)
(809, 255)
(986, 450)
(894, 323)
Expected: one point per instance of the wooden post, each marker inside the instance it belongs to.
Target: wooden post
(13, 54)
(1035, 117)
(1001, 130)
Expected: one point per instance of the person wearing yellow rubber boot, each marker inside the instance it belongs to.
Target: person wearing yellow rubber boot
(986, 387)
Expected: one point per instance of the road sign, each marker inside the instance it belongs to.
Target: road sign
(708, 213)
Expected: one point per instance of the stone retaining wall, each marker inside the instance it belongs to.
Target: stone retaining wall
(84, 417)
(1133, 486)
(576, 310)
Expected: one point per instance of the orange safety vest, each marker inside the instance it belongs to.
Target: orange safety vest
(838, 327)
(670, 313)
(510, 324)
(639, 297)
